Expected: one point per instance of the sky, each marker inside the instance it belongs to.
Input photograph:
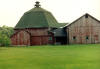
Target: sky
(65, 11)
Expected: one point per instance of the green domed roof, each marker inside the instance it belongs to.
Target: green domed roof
(37, 18)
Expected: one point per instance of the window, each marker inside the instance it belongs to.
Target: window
(87, 37)
(74, 37)
(50, 38)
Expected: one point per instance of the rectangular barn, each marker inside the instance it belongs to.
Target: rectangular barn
(85, 30)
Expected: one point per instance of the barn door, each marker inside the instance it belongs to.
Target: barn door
(39, 40)
(35, 40)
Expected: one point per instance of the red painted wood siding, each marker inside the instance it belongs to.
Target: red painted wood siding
(21, 38)
(41, 40)
(35, 36)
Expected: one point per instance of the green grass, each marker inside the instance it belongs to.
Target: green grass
(51, 57)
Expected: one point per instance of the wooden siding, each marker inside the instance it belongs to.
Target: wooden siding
(40, 40)
(84, 31)
(35, 31)
(36, 36)
(21, 38)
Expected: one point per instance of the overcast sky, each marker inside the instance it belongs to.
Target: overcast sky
(63, 10)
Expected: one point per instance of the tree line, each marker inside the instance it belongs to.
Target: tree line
(5, 34)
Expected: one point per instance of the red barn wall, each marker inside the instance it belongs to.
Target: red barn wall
(21, 38)
(39, 40)
(35, 31)
(38, 36)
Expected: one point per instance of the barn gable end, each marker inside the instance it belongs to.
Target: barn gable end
(84, 30)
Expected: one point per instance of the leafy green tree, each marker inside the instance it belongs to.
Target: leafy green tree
(5, 33)
(6, 30)
(4, 40)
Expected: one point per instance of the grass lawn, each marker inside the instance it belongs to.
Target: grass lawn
(51, 57)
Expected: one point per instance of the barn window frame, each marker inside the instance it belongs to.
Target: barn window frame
(74, 37)
(87, 37)
(50, 38)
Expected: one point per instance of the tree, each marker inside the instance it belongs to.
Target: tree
(4, 40)
(5, 33)
(8, 31)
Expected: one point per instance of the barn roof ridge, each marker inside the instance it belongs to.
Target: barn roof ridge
(37, 9)
(94, 18)
(81, 17)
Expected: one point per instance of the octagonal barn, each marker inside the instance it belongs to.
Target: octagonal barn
(35, 27)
